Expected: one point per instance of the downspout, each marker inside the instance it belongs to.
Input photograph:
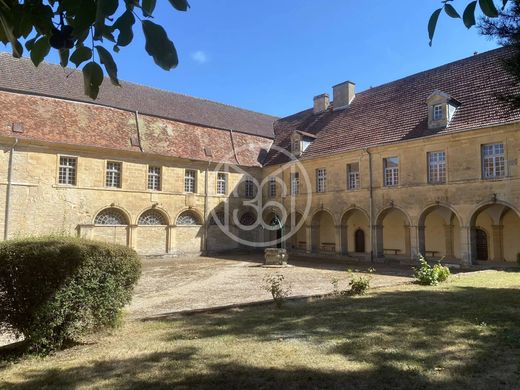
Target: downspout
(371, 206)
(8, 190)
(206, 187)
(138, 130)
(233, 146)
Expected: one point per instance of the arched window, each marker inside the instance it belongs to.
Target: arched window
(219, 215)
(188, 218)
(152, 217)
(111, 216)
(247, 219)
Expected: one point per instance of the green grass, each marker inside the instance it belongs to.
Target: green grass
(462, 334)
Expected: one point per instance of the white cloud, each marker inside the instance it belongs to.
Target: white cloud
(200, 57)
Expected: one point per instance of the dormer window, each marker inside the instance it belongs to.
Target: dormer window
(300, 141)
(296, 145)
(441, 108)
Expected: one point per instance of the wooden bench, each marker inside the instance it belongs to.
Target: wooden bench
(431, 252)
(302, 245)
(328, 247)
(396, 251)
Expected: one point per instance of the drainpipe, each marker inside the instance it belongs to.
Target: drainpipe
(371, 206)
(233, 146)
(138, 130)
(8, 190)
(206, 174)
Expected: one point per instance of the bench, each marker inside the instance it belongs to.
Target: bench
(301, 245)
(431, 252)
(396, 251)
(328, 247)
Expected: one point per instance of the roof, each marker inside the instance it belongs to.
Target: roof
(54, 81)
(397, 111)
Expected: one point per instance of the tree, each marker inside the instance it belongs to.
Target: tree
(78, 29)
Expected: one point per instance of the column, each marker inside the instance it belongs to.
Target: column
(339, 244)
(308, 238)
(378, 240)
(467, 240)
(421, 236)
(448, 239)
(407, 240)
(130, 239)
(498, 242)
(171, 238)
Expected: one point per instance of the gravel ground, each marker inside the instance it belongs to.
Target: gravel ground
(168, 286)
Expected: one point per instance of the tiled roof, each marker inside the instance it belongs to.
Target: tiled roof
(20, 75)
(397, 111)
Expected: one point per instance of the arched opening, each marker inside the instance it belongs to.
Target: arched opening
(188, 232)
(393, 233)
(323, 233)
(151, 236)
(495, 229)
(111, 225)
(439, 233)
(188, 218)
(354, 223)
(298, 239)
(359, 241)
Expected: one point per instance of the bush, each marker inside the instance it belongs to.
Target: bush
(276, 286)
(54, 290)
(431, 276)
(518, 258)
(359, 284)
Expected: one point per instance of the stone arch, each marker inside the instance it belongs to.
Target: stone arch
(323, 232)
(111, 224)
(439, 231)
(190, 211)
(150, 212)
(104, 215)
(392, 231)
(298, 240)
(353, 219)
(501, 222)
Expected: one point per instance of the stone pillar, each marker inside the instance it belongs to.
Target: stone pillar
(498, 242)
(85, 231)
(130, 239)
(467, 240)
(421, 237)
(378, 240)
(344, 240)
(170, 231)
(338, 241)
(308, 237)
(407, 240)
(448, 239)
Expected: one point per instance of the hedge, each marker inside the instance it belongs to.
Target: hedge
(54, 290)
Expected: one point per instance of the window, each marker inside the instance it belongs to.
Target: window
(113, 178)
(295, 183)
(154, 178)
(67, 171)
(272, 187)
(111, 216)
(436, 167)
(221, 183)
(188, 218)
(391, 171)
(247, 219)
(152, 217)
(437, 112)
(493, 161)
(321, 180)
(295, 147)
(249, 188)
(353, 176)
(190, 181)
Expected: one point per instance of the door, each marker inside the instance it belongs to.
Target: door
(482, 245)
(359, 238)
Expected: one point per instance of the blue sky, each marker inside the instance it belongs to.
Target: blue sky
(273, 56)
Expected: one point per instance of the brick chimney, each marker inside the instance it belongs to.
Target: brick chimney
(321, 103)
(343, 94)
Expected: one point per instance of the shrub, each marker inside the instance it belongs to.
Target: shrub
(276, 286)
(359, 284)
(54, 290)
(518, 258)
(431, 276)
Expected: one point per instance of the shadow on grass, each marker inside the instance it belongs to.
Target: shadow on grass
(461, 337)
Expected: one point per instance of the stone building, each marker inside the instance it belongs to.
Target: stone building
(426, 164)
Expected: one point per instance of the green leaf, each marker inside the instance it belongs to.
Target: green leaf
(64, 57)
(109, 63)
(17, 49)
(159, 46)
(92, 79)
(432, 24)
(40, 49)
(81, 54)
(104, 9)
(148, 6)
(125, 24)
(488, 8)
(450, 11)
(469, 14)
(180, 5)
(30, 43)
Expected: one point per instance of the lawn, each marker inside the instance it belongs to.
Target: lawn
(462, 334)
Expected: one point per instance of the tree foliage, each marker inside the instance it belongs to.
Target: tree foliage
(79, 31)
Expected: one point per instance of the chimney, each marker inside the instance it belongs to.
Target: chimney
(343, 94)
(321, 103)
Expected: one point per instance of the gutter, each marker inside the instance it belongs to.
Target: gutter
(8, 190)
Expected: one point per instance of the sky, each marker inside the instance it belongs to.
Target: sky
(273, 56)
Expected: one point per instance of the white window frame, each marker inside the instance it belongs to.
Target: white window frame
(390, 174)
(353, 182)
(272, 187)
(221, 183)
(437, 167)
(437, 113)
(67, 173)
(295, 183)
(154, 178)
(493, 161)
(190, 181)
(249, 188)
(113, 176)
(321, 180)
